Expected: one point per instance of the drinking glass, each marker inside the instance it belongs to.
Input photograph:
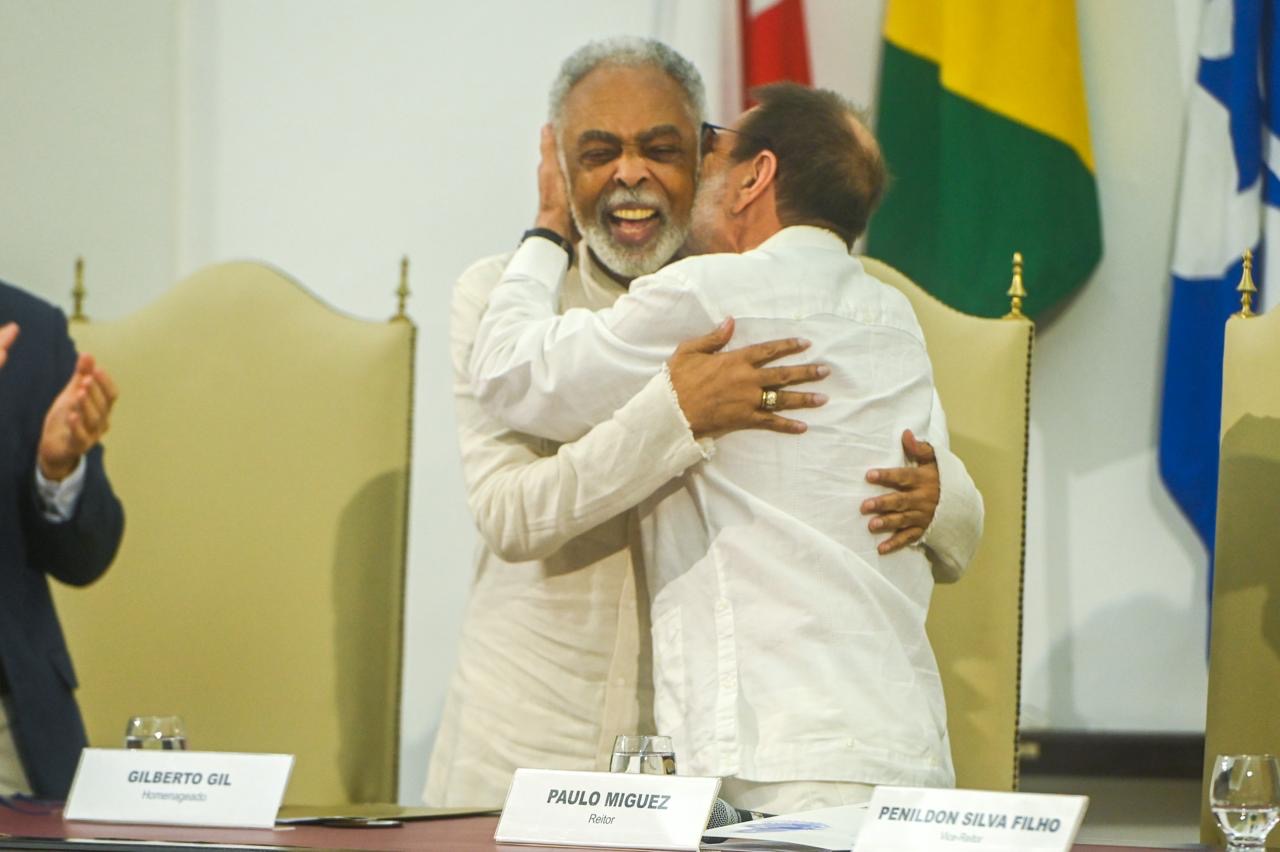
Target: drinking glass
(1245, 798)
(645, 754)
(165, 732)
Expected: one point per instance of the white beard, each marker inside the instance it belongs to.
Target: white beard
(628, 261)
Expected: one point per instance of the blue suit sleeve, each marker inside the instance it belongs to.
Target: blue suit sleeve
(80, 550)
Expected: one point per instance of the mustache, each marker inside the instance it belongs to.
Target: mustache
(626, 197)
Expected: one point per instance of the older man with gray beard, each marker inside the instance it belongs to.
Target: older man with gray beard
(554, 656)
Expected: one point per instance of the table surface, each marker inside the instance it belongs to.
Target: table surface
(460, 834)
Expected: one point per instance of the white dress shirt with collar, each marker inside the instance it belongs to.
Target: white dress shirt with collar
(785, 647)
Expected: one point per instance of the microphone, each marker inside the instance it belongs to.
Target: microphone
(723, 813)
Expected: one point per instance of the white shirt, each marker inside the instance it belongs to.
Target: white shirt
(553, 661)
(785, 647)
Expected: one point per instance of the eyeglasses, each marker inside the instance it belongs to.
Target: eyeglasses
(711, 131)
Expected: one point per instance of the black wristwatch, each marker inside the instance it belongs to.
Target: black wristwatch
(548, 234)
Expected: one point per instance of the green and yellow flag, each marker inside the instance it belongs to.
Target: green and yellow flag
(984, 127)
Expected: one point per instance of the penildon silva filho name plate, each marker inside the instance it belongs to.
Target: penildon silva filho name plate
(905, 819)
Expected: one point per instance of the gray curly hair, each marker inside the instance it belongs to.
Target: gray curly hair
(628, 51)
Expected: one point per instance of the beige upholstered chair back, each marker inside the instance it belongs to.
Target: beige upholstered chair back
(982, 371)
(261, 449)
(1244, 643)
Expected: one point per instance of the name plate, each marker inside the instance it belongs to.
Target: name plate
(178, 787)
(904, 819)
(617, 809)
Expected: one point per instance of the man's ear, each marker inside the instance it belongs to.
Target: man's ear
(756, 179)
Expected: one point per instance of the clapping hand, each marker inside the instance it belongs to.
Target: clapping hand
(8, 334)
(77, 420)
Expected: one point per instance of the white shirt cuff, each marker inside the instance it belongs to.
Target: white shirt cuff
(706, 446)
(58, 499)
(953, 537)
(538, 259)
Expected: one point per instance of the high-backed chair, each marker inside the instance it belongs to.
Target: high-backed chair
(261, 450)
(982, 369)
(1244, 641)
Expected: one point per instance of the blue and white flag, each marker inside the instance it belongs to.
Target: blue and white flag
(1228, 203)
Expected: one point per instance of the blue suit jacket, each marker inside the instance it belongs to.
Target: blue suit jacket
(46, 722)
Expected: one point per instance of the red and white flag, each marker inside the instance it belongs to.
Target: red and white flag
(774, 43)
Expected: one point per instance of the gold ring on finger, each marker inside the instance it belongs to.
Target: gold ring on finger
(769, 400)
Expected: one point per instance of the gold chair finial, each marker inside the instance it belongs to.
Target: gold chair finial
(1016, 291)
(402, 292)
(78, 293)
(1246, 288)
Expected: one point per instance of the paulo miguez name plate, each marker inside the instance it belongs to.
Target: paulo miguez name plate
(905, 819)
(178, 787)
(614, 809)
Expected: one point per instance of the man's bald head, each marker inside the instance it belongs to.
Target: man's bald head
(830, 169)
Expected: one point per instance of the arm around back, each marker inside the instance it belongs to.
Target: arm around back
(557, 376)
(529, 496)
(952, 539)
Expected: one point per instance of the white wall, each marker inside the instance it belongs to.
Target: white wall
(87, 153)
(1115, 621)
(330, 137)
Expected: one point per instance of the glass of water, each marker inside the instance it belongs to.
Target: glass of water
(1245, 798)
(645, 754)
(164, 732)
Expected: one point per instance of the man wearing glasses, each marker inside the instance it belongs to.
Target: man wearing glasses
(789, 654)
(553, 660)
